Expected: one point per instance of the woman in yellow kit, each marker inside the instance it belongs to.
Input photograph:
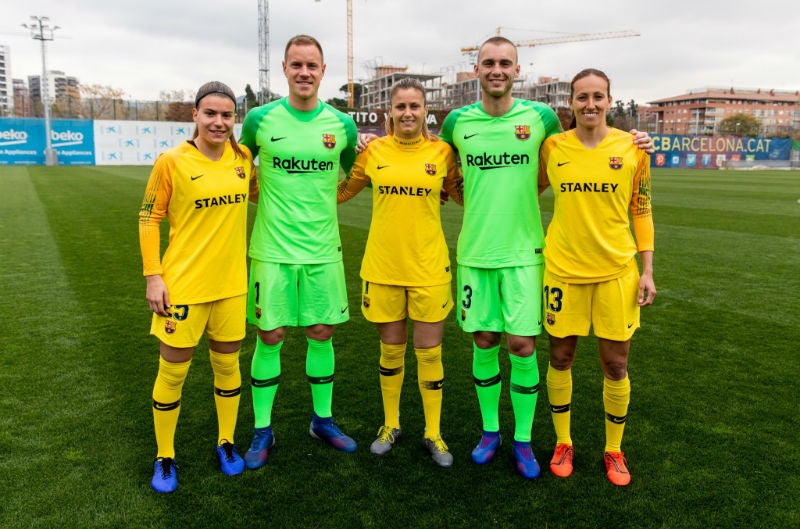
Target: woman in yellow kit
(200, 287)
(406, 266)
(591, 276)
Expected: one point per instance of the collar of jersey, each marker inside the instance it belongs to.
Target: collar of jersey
(303, 115)
(413, 142)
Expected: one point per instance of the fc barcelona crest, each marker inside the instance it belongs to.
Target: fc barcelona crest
(169, 327)
(239, 172)
(615, 162)
(551, 318)
(366, 302)
(522, 132)
(430, 169)
(329, 140)
(258, 312)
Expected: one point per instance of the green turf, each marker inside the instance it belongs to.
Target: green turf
(712, 425)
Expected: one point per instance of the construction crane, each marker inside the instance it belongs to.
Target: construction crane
(263, 52)
(350, 89)
(471, 50)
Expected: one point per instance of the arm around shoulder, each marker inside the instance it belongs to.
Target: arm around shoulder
(355, 181)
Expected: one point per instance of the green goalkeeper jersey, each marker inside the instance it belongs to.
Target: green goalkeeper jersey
(499, 157)
(299, 158)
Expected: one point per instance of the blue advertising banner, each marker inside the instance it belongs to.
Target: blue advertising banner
(87, 142)
(22, 141)
(708, 152)
(73, 140)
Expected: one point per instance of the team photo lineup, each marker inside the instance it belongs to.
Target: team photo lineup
(588, 274)
(382, 265)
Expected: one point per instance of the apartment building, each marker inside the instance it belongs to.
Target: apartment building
(701, 111)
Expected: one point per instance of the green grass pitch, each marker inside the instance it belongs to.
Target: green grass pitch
(711, 437)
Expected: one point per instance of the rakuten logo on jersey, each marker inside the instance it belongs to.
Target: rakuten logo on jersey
(293, 165)
(486, 161)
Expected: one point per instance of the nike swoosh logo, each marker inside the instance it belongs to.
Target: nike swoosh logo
(468, 136)
(382, 167)
(273, 138)
(445, 304)
(540, 322)
(196, 177)
(562, 163)
(630, 325)
(344, 310)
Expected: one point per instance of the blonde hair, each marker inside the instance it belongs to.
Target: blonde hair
(409, 83)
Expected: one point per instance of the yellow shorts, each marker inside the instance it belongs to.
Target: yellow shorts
(222, 320)
(387, 303)
(609, 308)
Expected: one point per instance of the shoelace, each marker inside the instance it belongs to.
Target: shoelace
(440, 445)
(561, 453)
(385, 435)
(228, 447)
(618, 460)
(167, 464)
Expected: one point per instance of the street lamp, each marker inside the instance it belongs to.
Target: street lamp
(42, 31)
(737, 128)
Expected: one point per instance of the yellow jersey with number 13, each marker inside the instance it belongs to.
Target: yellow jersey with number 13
(589, 238)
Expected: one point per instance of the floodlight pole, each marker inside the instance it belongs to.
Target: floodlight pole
(42, 32)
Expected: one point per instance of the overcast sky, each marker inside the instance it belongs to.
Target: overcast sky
(143, 47)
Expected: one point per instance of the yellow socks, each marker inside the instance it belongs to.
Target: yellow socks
(616, 397)
(227, 391)
(167, 403)
(392, 371)
(430, 377)
(559, 392)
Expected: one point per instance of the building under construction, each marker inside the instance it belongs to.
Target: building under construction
(444, 95)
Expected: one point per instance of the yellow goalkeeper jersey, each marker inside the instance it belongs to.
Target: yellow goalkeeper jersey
(406, 244)
(589, 238)
(205, 203)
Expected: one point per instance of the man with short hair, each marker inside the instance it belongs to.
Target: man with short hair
(296, 273)
(500, 247)
(500, 261)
